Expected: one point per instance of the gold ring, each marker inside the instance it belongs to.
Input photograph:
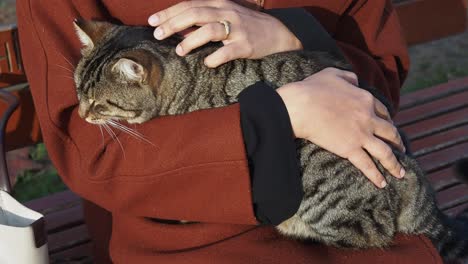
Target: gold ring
(227, 27)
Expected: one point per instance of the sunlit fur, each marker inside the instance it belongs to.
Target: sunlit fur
(341, 207)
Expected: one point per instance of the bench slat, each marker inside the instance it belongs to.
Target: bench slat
(432, 93)
(432, 109)
(443, 179)
(443, 158)
(441, 140)
(454, 196)
(436, 125)
(68, 239)
(457, 209)
(53, 202)
(79, 254)
(58, 221)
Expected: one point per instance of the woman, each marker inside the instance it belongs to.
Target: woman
(223, 178)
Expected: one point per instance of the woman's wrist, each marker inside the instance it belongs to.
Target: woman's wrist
(306, 29)
(292, 43)
(288, 95)
(287, 41)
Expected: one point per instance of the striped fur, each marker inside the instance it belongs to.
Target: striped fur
(340, 207)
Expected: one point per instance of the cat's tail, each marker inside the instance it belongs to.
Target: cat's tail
(452, 240)
(422, 216)
(459, 224)
(450, 236)
(461, 168)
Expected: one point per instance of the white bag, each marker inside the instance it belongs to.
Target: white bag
(22, 233)
(23, 239)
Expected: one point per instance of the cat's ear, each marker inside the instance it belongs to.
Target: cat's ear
(131, 69)
(90, 33)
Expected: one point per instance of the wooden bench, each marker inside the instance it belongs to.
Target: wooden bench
(435, 119)
(426, 20)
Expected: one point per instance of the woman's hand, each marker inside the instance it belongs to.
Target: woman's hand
(253, 34)
(329, 110)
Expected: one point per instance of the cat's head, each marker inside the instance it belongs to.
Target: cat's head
(115, 78)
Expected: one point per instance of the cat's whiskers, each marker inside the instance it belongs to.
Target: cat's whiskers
(107, 129)
(65, 68)
(63, 56)
(102, 134)
(66, 76)
(129, 131)
(68, 61)
(114, 136)
(125, 128)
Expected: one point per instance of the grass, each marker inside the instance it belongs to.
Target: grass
(32, 185)
(7, 11)
(441, 74)
(36, 184)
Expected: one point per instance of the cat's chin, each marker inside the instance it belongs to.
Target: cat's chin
(95, 121)
(137, 120)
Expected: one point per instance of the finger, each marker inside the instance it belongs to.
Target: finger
(224, 54)
(350, 77)
(388, 132)
(381, 151)
(186, 32)
(364, 163)
(382, 111)
(191, 17)
(168, 13)
(209, 32)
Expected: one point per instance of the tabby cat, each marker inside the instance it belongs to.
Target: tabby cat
(127, 75)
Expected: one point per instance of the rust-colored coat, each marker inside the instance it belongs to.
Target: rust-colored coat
(198, 171)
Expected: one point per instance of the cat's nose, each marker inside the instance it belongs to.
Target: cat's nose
(92, 118)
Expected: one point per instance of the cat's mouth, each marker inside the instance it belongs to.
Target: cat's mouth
(137, 120)
(95, 121)
(99, 119)
(107, 120)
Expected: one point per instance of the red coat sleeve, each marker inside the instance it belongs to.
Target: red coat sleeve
(196, 170)
(370, 36)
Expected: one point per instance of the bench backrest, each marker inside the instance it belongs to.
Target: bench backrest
(11, 68)
(23, 126)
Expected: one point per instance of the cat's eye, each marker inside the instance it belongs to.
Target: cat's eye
(100, 109)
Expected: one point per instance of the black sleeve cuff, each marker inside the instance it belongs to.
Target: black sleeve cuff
(307, 29)
(271, 151)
